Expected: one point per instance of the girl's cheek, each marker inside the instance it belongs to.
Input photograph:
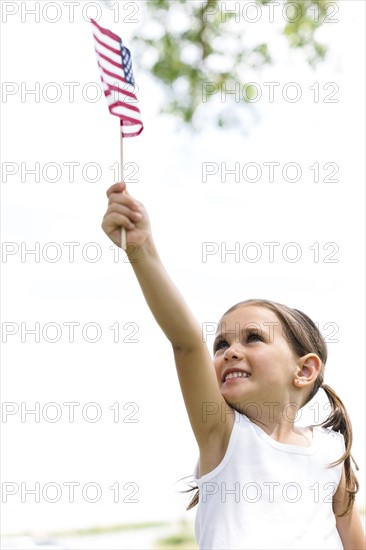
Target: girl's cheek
(260, 356)
(217, 371)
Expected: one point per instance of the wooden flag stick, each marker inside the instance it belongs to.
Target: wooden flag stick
(123, 230)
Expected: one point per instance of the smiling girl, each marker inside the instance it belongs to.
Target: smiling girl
(263, 482)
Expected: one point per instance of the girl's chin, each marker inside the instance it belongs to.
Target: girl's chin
(235, 385)
(234, 395)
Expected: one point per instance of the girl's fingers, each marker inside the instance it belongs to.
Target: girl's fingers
(114, 219)
(116, 188)
(123, 198)
(123, 209)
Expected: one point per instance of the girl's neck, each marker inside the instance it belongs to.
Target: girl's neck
(285, 431)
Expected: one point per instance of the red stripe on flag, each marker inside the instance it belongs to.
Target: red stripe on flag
(131, 133)
(118, 52)
(108, 59)
(106, 31)
(113, 75)
(115, 102)
(123, 92)
(129, 121)
(124, 104)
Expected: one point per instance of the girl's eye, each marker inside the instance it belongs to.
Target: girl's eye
(254, 337)
(220, 344)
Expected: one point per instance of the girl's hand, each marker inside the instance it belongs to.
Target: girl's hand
(124, 211)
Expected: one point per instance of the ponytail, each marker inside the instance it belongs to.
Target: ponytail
(194, 499)
(339, 421)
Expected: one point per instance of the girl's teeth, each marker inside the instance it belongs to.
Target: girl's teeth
(236, 375)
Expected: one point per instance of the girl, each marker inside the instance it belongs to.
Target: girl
(263, 482)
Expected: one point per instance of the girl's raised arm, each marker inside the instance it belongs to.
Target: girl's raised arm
(193, 361)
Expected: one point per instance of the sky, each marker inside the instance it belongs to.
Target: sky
(112, 422)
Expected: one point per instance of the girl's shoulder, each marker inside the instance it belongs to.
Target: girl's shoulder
(328, 432)
(329, 438)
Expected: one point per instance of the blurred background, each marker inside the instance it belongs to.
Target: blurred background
(97, 463)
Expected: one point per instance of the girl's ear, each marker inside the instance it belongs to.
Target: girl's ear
(308, 369)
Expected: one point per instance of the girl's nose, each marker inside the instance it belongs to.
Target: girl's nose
(233, 352)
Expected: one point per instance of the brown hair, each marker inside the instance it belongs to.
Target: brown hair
(304, 337)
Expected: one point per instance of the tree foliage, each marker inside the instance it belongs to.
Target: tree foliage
(187, 44)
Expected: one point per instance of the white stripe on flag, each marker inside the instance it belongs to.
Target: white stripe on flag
(132, 128)
(111, 80)
(106, 39)
(122, 87)
(111, 55)
(120, 110)
(105, 65)
(114, 96)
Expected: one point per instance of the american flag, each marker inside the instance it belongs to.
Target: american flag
(115, 64)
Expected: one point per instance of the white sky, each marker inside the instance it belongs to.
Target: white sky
(185, 212)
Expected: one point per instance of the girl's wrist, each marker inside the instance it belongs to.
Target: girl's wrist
(143, 252)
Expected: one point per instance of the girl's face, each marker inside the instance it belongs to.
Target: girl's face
(250, 343)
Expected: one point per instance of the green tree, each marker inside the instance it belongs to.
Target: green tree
(194, 48)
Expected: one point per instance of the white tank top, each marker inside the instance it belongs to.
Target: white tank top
(266, 495)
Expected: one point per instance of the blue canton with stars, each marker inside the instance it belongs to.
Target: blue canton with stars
(127, 65)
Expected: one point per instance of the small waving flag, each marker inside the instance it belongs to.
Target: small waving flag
(115, 64)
